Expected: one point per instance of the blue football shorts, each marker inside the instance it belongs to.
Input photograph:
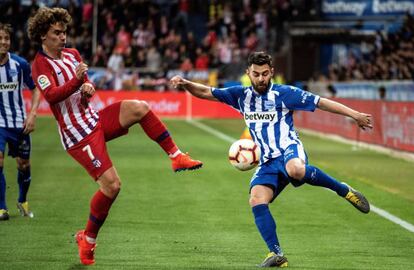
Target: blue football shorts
(273, 172)
(19, 144)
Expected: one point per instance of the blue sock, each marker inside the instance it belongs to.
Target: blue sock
(2, 190)
(23, 179)
(266, 226)
(316, 177)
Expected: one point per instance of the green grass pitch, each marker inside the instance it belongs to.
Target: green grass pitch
(201, 219)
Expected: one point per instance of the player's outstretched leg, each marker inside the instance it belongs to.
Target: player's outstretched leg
(266, 225)
(86, 249)
(184, 162)
(23, 180)
(357, 199)
(316, 177)
(260, 196)
(4, 214)
(274, 260)
(157, 131)
(24, 209)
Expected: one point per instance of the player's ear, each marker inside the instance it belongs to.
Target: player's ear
(247, 71)
(272, 71)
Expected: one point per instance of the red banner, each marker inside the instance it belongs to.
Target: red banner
(393, 121)
(167, 104)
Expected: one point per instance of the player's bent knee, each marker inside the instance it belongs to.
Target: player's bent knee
(139, 108)
(296, 171)
(23, 164)
(111, 189)
(111, 185)
(256, 200)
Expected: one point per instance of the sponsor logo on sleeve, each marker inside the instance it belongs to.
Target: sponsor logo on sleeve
(43, 82)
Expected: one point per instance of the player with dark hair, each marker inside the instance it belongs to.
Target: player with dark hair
(283, 159)
(60, 74)
(15, 124)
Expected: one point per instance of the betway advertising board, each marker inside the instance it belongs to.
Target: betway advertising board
(365, 8)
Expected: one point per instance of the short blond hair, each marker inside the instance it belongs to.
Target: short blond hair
(40, 23)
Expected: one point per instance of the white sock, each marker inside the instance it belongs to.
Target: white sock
(90, 240)
(175, 154)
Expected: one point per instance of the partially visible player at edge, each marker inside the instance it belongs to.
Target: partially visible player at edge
(15, 125)
(61, 75)
(283, 159)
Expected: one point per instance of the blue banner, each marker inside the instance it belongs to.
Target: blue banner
(395, 90)
(363, 8)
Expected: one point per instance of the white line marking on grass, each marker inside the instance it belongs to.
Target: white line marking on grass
(213, 131)
(376, 210)
(392, 218)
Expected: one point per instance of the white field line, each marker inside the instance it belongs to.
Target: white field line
(377, 210)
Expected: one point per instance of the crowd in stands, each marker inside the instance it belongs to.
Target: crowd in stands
(159, 35)
(389, 57)
(156, 36)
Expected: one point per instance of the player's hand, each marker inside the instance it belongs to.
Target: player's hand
(81, 70)
(364, 120)
(87, 90)
(29, 123)
(177, 82)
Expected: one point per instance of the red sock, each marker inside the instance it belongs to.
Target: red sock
(157, 131)
(100, 205)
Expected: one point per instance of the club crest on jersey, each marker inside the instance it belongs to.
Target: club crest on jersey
(97, 163)
(269, 104)
(43, 82)
(13, 72)
(260, 117)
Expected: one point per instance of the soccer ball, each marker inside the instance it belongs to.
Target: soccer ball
(244, 154)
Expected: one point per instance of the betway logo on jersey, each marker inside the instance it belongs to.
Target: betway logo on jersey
(11, 86)
(260, 117)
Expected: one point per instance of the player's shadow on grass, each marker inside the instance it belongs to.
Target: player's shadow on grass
(77, 266)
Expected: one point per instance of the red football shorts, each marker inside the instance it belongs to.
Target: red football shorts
(91, 152)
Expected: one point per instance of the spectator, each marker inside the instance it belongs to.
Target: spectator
(332, 91)
(123, 39)
(153, 59)
(382, 93)
(99, 59)
(202, 60)
(141, 60)
(186, 65)
(115, 68)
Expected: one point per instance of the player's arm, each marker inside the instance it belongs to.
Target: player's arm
(53, 93)
(87, 88)
(196, 89)
(29, 123)
(363, 120)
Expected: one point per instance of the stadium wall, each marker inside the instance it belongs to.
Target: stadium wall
(393, 121)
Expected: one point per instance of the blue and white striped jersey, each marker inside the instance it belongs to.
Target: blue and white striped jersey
(269, 117)
(14, 74)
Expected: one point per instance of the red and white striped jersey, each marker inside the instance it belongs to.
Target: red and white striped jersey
(56, 78)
